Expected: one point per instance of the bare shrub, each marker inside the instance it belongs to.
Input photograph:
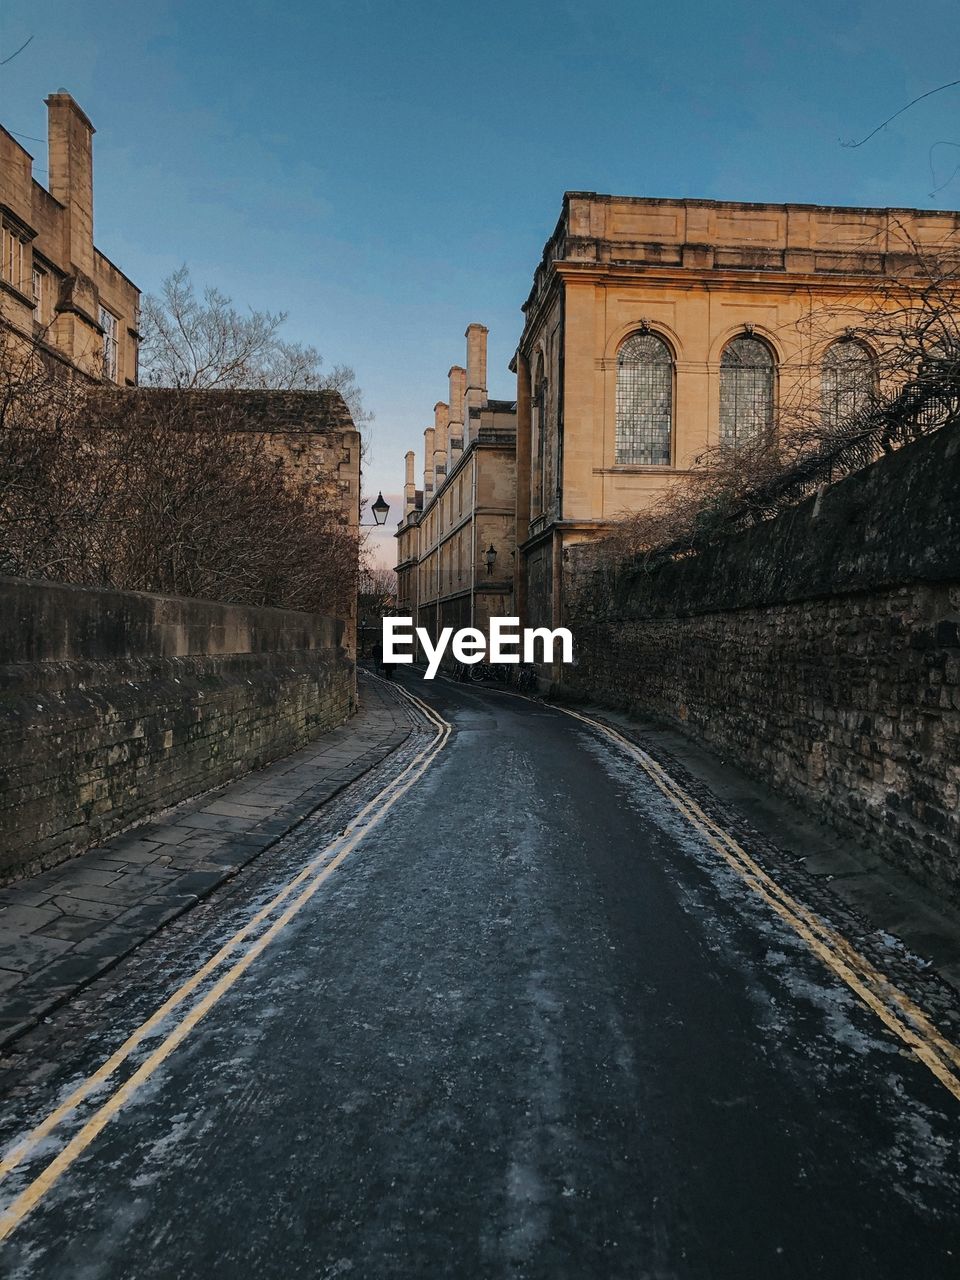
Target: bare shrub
(123, 491)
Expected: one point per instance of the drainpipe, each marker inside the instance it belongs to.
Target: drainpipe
(473, 538)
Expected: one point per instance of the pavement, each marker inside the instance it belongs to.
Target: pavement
(527, 1022)
(63, 928)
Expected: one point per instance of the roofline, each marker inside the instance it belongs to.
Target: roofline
(700, 202)
(118, 270)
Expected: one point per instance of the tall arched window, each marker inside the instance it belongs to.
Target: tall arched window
(644, 401)
(746, 390)
(848, 381)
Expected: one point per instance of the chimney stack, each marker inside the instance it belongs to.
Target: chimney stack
(427, 465)
(70, 144)
(476, 392)
(409, 483)
(441, 416)
(456, 378)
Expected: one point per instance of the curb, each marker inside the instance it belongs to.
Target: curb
(258, 844)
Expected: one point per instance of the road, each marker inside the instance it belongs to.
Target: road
(532, 1024)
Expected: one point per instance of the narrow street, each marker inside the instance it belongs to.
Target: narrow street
(528, 1021)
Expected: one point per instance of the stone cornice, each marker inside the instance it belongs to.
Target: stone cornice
(710, 278)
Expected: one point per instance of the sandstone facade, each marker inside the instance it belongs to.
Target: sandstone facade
(56, 288)
(657, 328)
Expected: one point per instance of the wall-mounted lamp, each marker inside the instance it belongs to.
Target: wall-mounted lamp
(380, 510)
(490, 556)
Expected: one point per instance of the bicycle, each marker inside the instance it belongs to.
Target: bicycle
(525, 679)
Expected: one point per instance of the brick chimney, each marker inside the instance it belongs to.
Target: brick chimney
(456, 378)
(70, 138)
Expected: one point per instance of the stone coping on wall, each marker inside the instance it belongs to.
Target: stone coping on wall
(63, 928)
(57, 622)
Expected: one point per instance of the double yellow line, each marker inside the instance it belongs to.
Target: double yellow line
(307, 881)
(891, 1005)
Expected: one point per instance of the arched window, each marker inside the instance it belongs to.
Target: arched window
(746, 390)
(644, 401)
(848, 381)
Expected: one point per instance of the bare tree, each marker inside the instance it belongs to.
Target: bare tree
(198, 342)
(378, 590)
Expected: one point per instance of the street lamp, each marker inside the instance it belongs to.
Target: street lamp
(490, 556)
(380, 510)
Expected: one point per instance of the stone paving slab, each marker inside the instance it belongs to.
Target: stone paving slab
(61, 929)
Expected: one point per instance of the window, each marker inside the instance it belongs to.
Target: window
(644, 402)
(38, 292)
(746, 390)
(111, 343)
(11, 263)
(848, 381)
(538, 433)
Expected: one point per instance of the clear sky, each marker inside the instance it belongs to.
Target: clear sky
(389, 172)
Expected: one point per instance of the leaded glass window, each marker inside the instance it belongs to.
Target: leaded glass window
(644, 401)
(746, 390)
(111, 343)
(848, 381)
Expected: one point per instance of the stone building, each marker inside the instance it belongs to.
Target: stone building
(56, 288)
(455, 542)
(656, 329)
(408, 541)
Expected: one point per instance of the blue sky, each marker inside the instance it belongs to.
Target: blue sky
(389, 172)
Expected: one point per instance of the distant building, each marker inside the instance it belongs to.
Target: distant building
(56, 287)
(456, 541)
(408, 542)
(656, 329)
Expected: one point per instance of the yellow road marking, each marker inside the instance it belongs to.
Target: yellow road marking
(873, 987)
(869, 984)
(340, 848)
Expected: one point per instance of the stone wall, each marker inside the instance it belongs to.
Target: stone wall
(821, 650)
(114, 705)
(312, 433)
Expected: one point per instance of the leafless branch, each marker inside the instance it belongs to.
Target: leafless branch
(883, 124)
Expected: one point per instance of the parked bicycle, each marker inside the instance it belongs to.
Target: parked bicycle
(525, 678)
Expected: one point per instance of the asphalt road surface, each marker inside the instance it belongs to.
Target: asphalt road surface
(531, 1025)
